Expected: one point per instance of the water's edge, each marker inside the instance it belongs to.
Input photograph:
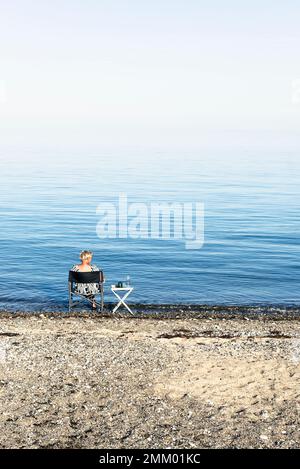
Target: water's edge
(174, 311)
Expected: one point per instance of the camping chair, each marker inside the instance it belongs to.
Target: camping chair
(86, 277)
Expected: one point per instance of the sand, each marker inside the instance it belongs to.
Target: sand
(103, 382)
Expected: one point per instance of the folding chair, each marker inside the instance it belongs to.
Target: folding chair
(86, 277)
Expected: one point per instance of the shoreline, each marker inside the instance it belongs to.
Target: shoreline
(91, 381)
(174, 311)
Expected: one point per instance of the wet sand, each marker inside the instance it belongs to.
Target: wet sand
(85, 381)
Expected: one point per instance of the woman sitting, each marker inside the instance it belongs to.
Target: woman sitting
(86, 289)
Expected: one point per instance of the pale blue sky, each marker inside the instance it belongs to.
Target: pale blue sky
(149, 73)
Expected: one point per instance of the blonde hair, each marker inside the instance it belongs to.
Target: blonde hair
(85, 255)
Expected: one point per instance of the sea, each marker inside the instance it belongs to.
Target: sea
(53, 204)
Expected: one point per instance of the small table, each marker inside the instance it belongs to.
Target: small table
(116, 290)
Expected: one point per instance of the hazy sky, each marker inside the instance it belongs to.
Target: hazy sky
(160, 72)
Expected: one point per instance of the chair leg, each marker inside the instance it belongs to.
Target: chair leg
(102, 299)
(70, 298)
(70, 302)
(99, 304)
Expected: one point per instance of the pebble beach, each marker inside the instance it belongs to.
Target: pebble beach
(191, 380)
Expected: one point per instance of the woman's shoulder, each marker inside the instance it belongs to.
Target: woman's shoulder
(94, 267)
(75, 267)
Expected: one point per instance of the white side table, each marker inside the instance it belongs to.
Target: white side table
(126, 290)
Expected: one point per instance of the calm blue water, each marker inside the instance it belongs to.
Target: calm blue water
(251, 252)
